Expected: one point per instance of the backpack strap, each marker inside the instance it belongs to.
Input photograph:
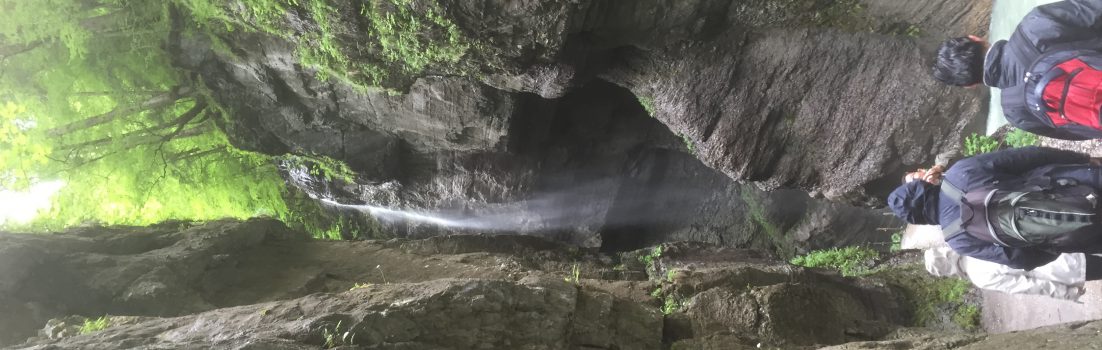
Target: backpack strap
(952, 228)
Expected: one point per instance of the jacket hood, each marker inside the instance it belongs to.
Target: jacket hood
(943, 262)
(916, 202)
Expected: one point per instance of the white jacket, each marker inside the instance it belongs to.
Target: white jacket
(1061, 279)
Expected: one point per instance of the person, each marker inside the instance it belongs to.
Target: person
(1047, 30)
(1063, 278)
(924, 201)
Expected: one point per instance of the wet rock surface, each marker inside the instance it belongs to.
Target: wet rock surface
(255, 284)
(828, 97)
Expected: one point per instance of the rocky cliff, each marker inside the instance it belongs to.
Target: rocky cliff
(541, 121)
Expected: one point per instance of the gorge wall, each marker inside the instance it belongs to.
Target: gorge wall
(543, 125)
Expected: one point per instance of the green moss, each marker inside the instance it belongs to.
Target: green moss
(850, 261)
(926, 294)
(967, 317)
(404, 38)
(647, 103)
(777, 238)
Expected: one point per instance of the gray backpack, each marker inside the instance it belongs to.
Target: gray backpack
(1025, 215)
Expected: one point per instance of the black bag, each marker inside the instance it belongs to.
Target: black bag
(1025, 215)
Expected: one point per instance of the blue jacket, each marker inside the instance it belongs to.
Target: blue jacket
(1072, 24)
(1008, 166)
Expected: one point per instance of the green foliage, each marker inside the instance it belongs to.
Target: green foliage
(575, 275)
(1021, 138)
(359, 286)
(977, 144)
(650, 259)
(897, 241)
(656, 293)
(689, 145)
(647, 103)
(671, 274)
(321, 167)
(334, 337)
(88, 97)
(913, 31)
(967, 316)
(408, 36)
(926, 294)
(850, 261)
(95, 325)
(671, 305)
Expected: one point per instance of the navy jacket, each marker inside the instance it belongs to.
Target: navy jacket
(1007, 166)
(1071, 24)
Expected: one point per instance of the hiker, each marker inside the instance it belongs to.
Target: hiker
(1062, 278)
(1049, 70)
(997, 207)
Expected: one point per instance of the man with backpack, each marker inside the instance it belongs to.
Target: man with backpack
(1050, 70)
(1019, 207)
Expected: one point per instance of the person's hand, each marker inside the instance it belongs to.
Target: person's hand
(932, 175)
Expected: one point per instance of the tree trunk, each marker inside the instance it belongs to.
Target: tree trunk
(155, 102)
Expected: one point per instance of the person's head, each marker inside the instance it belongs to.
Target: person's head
(916, 202)
(959, 61)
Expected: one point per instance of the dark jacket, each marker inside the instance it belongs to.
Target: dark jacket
(1004, 167)
(1072, 24)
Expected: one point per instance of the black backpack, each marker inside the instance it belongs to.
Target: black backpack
(1025, 215)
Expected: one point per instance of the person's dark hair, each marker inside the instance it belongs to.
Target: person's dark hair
(959, 62)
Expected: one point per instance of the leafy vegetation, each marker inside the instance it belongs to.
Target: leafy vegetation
(575, 276)
(967, 316)
(689, 145)
(1021, 138)
(671, 305)
(650, 259)
(334, 337)
(95, 325)
(928, 295)
(897, 242)
(88, 97)
(647, 103)
(409, 36)
(977, 144)
(850, 261)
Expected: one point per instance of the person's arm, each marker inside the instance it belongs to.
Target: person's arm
(1020, 160)
(1018, 258)
(989, 276)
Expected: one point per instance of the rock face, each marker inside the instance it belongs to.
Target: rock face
(256, 284)
(534, 131)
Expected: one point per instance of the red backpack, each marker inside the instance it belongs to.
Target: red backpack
(1064, 88)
